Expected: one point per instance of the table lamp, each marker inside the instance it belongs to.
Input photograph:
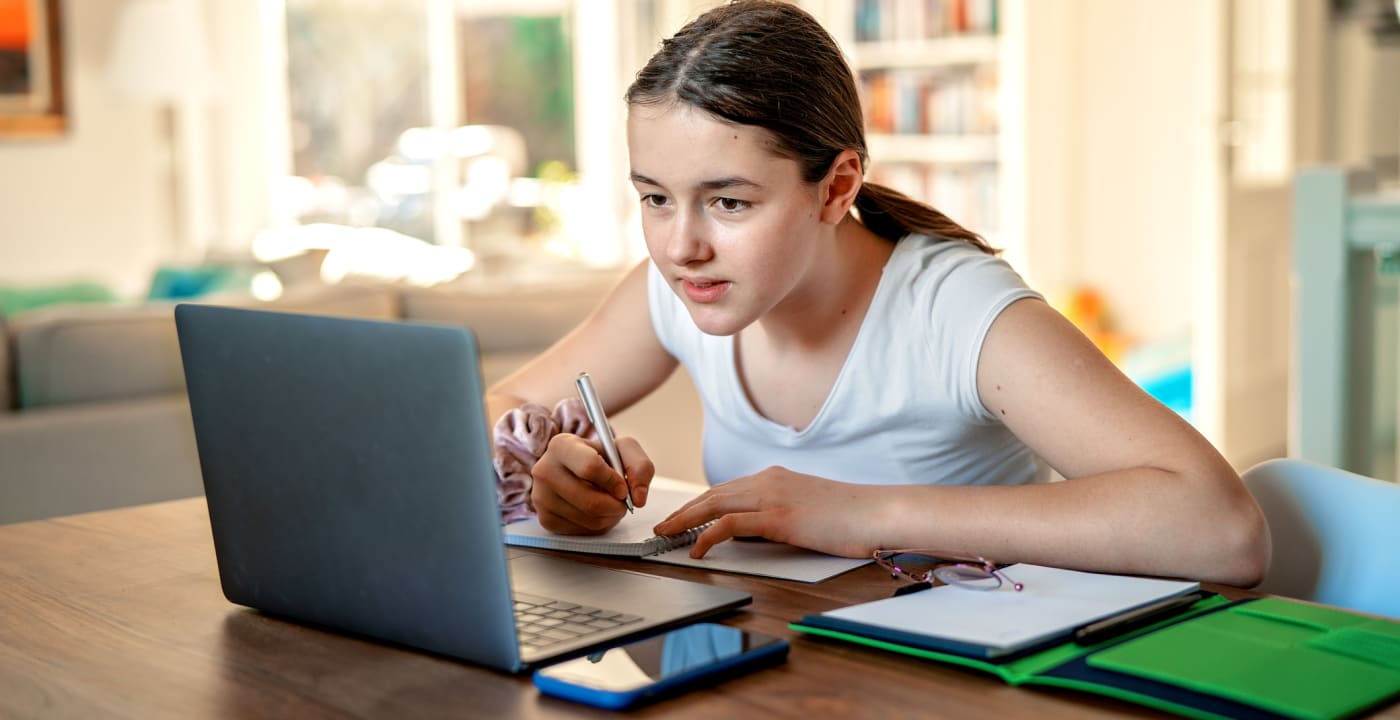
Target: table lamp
(160, 54)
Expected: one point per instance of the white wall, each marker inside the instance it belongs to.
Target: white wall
(1138, 168)
(1109, 139)
(95, 203)
(249, 146)
(99, 202)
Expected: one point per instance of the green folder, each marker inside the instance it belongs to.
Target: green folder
(1265, 658)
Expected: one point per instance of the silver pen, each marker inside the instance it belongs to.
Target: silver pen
(594, 408)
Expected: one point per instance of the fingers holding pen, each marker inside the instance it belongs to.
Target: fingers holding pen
(575, 490)
(588, 395)
(639, 469)
(587, 461)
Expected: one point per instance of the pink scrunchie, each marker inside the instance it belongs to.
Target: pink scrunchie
(521, 436)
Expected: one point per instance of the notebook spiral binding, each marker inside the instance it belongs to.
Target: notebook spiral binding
(680, 540)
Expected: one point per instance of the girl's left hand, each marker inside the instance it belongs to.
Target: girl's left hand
(778, 504)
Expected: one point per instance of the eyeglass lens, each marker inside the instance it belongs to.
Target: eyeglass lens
(967, 575)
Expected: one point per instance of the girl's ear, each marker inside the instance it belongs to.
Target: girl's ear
(839, 187)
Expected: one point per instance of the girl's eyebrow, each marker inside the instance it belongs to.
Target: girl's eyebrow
(728, 182)
(716, 184)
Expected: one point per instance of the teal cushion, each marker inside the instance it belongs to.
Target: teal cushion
(181, 283)
(14, 300)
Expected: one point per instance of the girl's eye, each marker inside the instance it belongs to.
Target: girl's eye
(654, 200)
(731, 204)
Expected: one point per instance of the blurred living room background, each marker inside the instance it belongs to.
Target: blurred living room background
(465, 161)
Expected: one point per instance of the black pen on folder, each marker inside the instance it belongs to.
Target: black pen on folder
(594, 408)
(1100, 630)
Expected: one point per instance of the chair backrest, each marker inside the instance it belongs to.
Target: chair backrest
(1336, 534)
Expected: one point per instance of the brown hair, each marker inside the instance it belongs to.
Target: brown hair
(771, 65)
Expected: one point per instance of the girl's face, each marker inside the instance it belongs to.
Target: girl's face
(730, 224)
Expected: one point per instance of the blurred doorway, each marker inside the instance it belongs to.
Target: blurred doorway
(1244, 386)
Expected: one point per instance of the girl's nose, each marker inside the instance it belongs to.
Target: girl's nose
(687, 244)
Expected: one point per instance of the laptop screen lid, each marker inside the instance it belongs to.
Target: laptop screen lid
(347, 468)
(315, 436)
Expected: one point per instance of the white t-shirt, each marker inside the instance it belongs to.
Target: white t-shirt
(904, 408)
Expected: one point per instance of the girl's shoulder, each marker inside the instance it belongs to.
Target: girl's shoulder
(950, 282)
(927, 259)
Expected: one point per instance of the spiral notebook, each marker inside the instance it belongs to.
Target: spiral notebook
(633, 538)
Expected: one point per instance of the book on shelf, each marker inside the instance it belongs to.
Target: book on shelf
(904, 20)
(930, 102)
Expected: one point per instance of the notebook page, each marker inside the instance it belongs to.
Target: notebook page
(1054, 603)
(631, 537)
(768, 559)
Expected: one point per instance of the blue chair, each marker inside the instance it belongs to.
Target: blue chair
(1336, 535)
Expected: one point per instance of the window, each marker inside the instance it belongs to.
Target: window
(454, 124)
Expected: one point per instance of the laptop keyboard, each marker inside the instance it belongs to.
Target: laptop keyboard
(542, 622)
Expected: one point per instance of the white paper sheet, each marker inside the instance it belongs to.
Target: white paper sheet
(1054, 602)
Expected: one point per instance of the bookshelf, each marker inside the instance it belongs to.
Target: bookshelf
(928, 73)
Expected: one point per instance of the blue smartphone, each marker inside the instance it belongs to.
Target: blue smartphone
(644, 670)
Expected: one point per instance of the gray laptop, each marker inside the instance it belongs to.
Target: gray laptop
(347, 468)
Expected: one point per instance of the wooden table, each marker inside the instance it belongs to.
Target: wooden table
(119, 614)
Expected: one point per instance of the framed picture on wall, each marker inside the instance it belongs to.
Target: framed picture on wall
(31, 69)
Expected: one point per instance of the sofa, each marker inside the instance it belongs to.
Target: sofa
(93, 413)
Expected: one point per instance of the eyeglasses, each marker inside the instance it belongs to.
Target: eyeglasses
(923, 566)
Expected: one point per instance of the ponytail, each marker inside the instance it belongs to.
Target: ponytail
(892, 215)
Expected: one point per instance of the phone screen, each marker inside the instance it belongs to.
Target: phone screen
(646, 662)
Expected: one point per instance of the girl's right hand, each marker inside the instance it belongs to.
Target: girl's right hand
(576, 492)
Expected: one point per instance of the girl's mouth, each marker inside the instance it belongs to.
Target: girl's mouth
(704, 290)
